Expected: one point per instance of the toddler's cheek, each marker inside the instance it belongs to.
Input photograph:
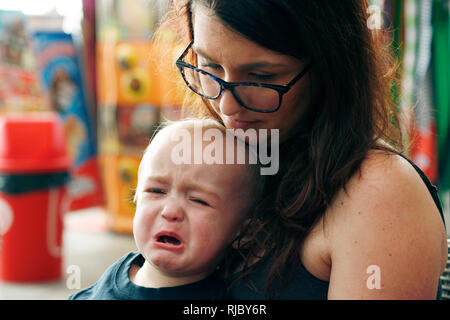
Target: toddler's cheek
(141, 231)
(210, 242)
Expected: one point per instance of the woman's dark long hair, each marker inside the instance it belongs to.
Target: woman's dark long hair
(352, 112)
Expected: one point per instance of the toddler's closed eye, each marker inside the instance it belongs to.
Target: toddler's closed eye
(155, 191)
(202, 202)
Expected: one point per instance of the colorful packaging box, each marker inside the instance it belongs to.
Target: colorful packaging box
(120, 180)
(61, 79)
(14, 46)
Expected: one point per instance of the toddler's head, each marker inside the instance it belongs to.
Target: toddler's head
(187, 214)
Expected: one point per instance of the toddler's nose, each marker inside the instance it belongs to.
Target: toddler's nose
(173, 212)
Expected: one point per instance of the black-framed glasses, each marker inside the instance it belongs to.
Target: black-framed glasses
(258, 97)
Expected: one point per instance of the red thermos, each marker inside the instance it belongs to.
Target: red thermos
(34, 171)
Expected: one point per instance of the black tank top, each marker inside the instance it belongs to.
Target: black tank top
(303, 285)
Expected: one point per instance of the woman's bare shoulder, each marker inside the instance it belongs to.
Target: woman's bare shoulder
(388, 219)
(386, 178)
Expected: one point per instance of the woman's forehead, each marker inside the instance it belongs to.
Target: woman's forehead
(218, 43)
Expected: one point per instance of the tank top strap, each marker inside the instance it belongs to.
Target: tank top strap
(431, 188)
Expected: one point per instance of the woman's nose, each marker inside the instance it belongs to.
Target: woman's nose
(228, 104)
(172, 212)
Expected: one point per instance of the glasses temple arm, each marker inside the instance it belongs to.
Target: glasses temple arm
(300, 75)
(185, 51)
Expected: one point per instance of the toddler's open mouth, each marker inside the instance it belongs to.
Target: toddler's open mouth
(168, 240)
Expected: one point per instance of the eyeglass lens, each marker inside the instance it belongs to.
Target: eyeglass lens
(254, 97)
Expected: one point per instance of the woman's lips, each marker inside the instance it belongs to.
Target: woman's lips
(168, 240)
(239, 124)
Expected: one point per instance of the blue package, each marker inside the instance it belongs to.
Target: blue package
(62, 82)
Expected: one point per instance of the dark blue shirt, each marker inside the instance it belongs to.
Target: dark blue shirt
(115, 284)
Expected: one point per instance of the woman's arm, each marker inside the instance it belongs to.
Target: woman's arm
(387, 239)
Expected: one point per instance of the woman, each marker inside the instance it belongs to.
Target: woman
(346, 216)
